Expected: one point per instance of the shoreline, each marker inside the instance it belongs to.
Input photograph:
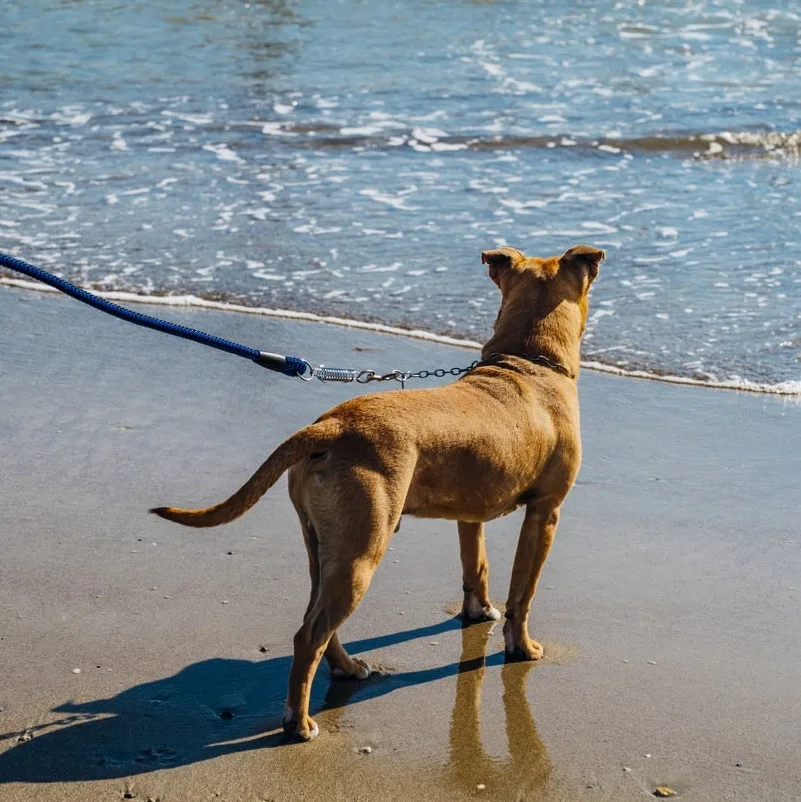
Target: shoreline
(668, 606)
(788, 389)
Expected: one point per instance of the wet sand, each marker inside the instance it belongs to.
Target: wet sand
(668, 608)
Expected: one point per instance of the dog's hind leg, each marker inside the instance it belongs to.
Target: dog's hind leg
(343, 583)
(310, 539)
(353, 509)
(351, 539)
(536, 537)
(475, 574)
(342, 665)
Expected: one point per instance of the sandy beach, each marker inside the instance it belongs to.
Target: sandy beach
(142, 660)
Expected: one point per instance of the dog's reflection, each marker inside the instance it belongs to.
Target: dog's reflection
(524, 769)
(527, 765)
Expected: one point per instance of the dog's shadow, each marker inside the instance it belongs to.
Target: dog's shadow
(221, 706)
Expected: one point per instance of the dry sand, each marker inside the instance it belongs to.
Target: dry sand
(669, 606)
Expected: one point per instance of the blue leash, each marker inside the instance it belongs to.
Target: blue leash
(288, 365)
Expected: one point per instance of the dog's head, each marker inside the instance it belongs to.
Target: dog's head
(568, 276)
(545, 300)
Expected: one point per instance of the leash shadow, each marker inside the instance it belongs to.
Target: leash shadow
(222, 706)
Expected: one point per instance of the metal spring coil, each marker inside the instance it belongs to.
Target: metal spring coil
(335, 374)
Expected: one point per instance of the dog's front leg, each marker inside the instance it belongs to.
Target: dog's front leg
(536, 537)
(475, 574)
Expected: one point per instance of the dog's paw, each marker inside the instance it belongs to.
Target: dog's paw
(524, 649)
(360, 670)
(298, 731)
(303, 729)
(474, 610)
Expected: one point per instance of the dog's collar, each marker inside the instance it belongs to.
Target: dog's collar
(537, 359)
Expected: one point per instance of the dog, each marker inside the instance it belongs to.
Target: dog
(503, 436)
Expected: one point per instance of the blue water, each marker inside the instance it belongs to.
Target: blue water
(353, 158)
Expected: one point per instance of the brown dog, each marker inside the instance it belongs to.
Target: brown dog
(504, 435)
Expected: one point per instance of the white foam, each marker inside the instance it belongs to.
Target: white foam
(381, 268)
(522, 207)
(361, 130)
(223, 152)
(313, 228)
(785, 388)
(395, 201)
(791, 388)
(276, 129)
(194, 119)
(71, 115)
(118, 143)
(427, 135)
(601, 228)
(447, 146)
(269, 276)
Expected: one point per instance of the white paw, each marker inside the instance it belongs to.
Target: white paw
(363, 670)
(475, 611)
(290, 726)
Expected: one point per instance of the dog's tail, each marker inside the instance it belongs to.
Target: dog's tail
(316, 437)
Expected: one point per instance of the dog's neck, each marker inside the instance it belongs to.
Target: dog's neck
(555, 335)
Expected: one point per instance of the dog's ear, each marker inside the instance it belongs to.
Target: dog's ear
(583, 257)
(500, 260)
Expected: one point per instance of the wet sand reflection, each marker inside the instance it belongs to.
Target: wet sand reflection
(526, 766)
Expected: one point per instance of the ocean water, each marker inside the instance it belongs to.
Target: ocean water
(353, 158)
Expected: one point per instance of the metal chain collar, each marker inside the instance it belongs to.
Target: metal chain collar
(325, 374)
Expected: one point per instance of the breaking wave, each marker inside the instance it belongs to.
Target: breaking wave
(785, 388)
